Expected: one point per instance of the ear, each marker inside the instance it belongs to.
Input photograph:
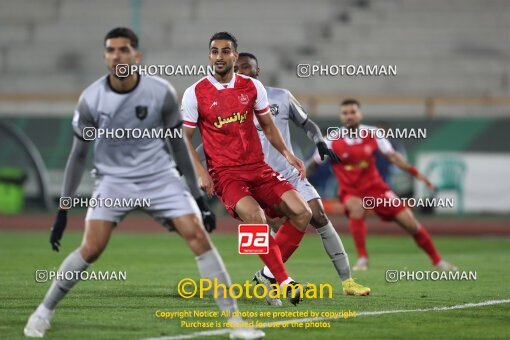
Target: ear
(138, 56)
(258, 72)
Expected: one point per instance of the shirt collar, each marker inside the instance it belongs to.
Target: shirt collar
(220, 86)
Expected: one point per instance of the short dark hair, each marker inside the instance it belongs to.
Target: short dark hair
(123, 32)
(350, 101)
(224, 36)
(249, 55)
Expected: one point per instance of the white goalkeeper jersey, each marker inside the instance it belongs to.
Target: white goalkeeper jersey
(137, 117)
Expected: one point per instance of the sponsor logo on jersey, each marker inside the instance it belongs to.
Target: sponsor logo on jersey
(360, 165)
(235, 117)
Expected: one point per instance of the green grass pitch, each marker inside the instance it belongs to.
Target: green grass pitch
(156, 262)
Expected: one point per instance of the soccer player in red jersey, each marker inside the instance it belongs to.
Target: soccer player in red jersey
(222, 106)
(358, 178)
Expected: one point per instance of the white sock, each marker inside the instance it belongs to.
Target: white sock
(44, 312)
(267, 272)
(286, 282)
(235, 319)
(335, 250)
(211, 266)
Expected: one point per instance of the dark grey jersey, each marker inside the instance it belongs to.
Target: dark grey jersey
(284, 107)
(151, 106)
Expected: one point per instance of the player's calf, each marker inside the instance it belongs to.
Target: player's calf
(91, 252)
(95, 239)
(191, 229)
(319, 218)
(354, 206)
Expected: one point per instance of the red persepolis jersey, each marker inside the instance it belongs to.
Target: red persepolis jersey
(358, 173)
(224, 115)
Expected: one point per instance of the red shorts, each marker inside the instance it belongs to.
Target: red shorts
(258, 180)
(391, 206)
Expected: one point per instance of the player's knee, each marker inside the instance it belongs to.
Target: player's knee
(302, 216)
(319, 219)
(255, 216)
(357, 213)
(91, 252)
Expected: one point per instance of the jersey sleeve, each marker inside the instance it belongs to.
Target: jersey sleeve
(82, 118)
(296, 112)
(384, 146)
(261, 103)
(170, 110)
(189, 108)
(300, 118)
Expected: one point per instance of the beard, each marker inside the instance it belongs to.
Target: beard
(352, 126)
(225, 70)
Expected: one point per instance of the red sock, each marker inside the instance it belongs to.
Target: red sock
(424, 241)
(273, 260)
(288, 239)
(358, 230)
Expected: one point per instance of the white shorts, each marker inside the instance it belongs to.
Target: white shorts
(165, 193)
(303, 187)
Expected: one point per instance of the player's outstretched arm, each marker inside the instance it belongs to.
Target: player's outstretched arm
(75, 166)
(181, 150)
(190, 115)
(182, 158)
(312, 130)
(72, 176)
(397, 159)
(204, 179)
(274, 136)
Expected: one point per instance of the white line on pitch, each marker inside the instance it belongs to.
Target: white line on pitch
(225, 331)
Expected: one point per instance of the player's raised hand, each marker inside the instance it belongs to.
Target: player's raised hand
(427, 183)
(298, 164)
(206, 183)
(208, 216)
(325, 151)
(57, 230)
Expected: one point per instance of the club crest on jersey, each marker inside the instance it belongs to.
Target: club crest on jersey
(275, 109)
(141, 112)
(243, 99)
(235, 117)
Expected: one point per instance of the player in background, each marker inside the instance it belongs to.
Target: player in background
(285, 107)
(132, 168)
(358, 178)
(222, 106)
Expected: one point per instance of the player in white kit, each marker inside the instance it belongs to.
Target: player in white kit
(133, 168)
(285, 107)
